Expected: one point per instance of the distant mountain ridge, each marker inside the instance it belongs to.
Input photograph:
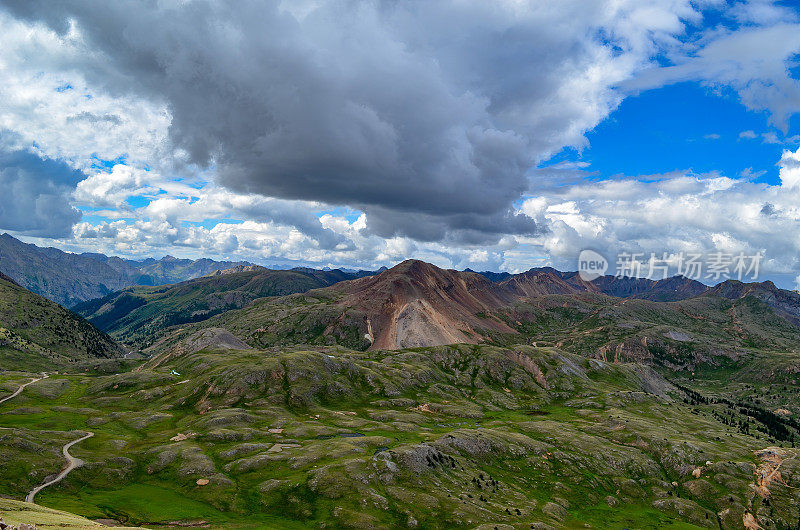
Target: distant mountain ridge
(784, 303)
(547, 280)
(416, 304)
(68, 279)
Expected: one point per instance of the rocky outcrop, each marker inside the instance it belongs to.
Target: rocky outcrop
(628, 351)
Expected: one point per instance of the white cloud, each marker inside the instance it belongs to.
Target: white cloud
(688, 213)
(112, 189)
(753, 60)
(48, 102)
(679, 212)
(426, 134)
(790, 170)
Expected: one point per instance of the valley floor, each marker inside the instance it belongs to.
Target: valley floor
(444, 437)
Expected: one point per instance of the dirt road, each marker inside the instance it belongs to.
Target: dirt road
(22, 387)
(72, 463)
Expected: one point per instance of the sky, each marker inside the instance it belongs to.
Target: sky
(487, 135)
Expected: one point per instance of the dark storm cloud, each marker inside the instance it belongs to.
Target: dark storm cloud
(425, 115)
(35, 195)
(471, 229)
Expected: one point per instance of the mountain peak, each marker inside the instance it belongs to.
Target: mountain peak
(415, 266)
(539, 282)
(416, 303)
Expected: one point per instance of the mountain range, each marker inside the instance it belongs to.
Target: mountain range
(68, 278)
(411, 397)
(416, 304)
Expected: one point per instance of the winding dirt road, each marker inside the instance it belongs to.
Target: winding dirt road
(72, 463)
(22, 387)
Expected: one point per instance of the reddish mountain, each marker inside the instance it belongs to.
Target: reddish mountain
(418, 304)
(784, 303)
(541, 282)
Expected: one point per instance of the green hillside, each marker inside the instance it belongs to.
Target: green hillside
(445, 437)
(577, 410)
(134, 315)
(18, 513)
(37, 334)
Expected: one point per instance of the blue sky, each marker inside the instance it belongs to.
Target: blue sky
(494, 136)
(680, 127)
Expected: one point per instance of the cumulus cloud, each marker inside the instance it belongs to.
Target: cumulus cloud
(673, 213)
(790, 170)
(35, 197)
(426, 108)
(112, 189)
(47, 101)
(245, 129)
(216, 203)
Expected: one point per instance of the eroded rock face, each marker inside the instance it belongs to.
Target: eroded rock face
(417, 304)
(628, 351)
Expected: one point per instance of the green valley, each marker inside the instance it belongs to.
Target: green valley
(570, 410)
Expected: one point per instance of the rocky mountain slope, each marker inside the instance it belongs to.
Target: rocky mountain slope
(135, 314)
(5, 278)
(783, 302)
(36, 333)
(416, 304)
(540, 282)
